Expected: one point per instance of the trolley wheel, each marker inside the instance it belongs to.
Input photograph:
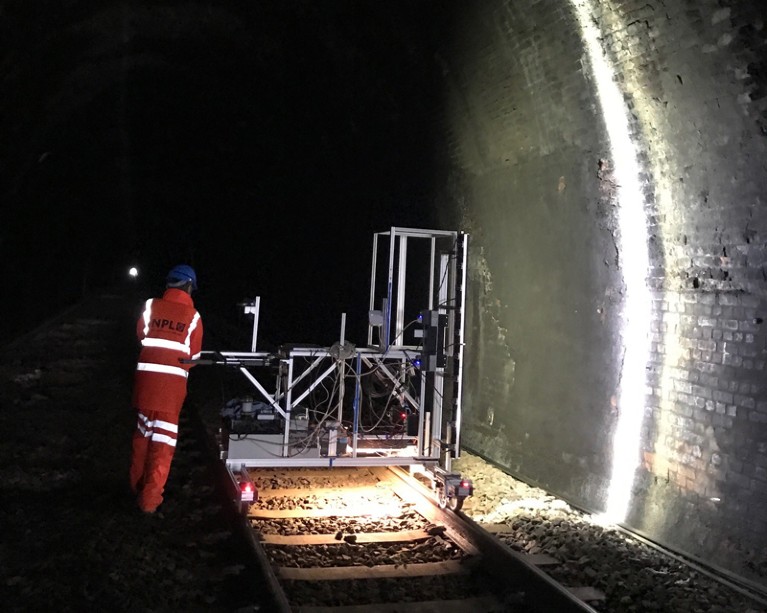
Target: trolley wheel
(454, 504)
(442, 498)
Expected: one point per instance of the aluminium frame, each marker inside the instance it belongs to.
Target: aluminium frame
(438, 438)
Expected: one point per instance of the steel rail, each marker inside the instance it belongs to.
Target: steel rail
(505, 566)
(273, 592)
(423, 506)
(541, 591)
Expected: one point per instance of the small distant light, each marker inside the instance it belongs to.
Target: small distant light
(417, 363)
(403, 415)
(246, 487)
(715, 499)
(464, 483)
(133, 272)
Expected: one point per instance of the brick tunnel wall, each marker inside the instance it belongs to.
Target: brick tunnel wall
(570, 345)
(585, 323)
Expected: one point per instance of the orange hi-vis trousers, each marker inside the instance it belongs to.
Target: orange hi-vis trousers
(154, 443)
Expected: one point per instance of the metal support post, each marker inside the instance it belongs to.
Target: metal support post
(372, 306)
(399, 322)
(389, 288)
(253, 308)
(288, 411)
(357, 400)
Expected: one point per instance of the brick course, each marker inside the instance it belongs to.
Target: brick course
(529, 172)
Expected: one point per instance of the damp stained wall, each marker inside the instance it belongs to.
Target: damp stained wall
(608, 159)
(616, 344)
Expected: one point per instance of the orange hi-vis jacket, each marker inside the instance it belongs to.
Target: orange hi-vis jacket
(169, 330)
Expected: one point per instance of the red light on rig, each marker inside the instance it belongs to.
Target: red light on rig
(247, 491)
(465, 483)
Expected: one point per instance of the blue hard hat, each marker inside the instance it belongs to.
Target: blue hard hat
(181, 275)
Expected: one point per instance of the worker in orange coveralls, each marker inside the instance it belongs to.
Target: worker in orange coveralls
(169, 330)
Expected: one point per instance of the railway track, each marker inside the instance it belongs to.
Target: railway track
(354, 540)
(69, 374)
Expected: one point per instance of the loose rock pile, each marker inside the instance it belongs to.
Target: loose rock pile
(73, 538)
(335, 593)
(409, 520)
(365, 554)
(633, 575)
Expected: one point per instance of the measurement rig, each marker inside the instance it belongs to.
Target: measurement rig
(395, 402)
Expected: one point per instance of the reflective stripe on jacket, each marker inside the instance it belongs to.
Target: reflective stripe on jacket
(169, 330)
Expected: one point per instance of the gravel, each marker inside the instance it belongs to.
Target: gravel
(364, 554)
(73, 540)
(283, 482)
(72, 537)
(347, 525)
(339, 593)
(633, 575)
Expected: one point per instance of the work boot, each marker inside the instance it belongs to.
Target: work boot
(154, 514)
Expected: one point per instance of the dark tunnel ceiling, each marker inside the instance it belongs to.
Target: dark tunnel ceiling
(262, 142)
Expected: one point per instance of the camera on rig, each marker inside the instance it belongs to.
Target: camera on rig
(433, 329)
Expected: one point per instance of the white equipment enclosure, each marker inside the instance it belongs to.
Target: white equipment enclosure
(396, 401)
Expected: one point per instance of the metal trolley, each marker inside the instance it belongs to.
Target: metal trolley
(395, 402)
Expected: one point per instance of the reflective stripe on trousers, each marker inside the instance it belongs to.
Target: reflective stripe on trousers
(153, 447)
(149, 429)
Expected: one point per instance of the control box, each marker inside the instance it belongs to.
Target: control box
(434, 326)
